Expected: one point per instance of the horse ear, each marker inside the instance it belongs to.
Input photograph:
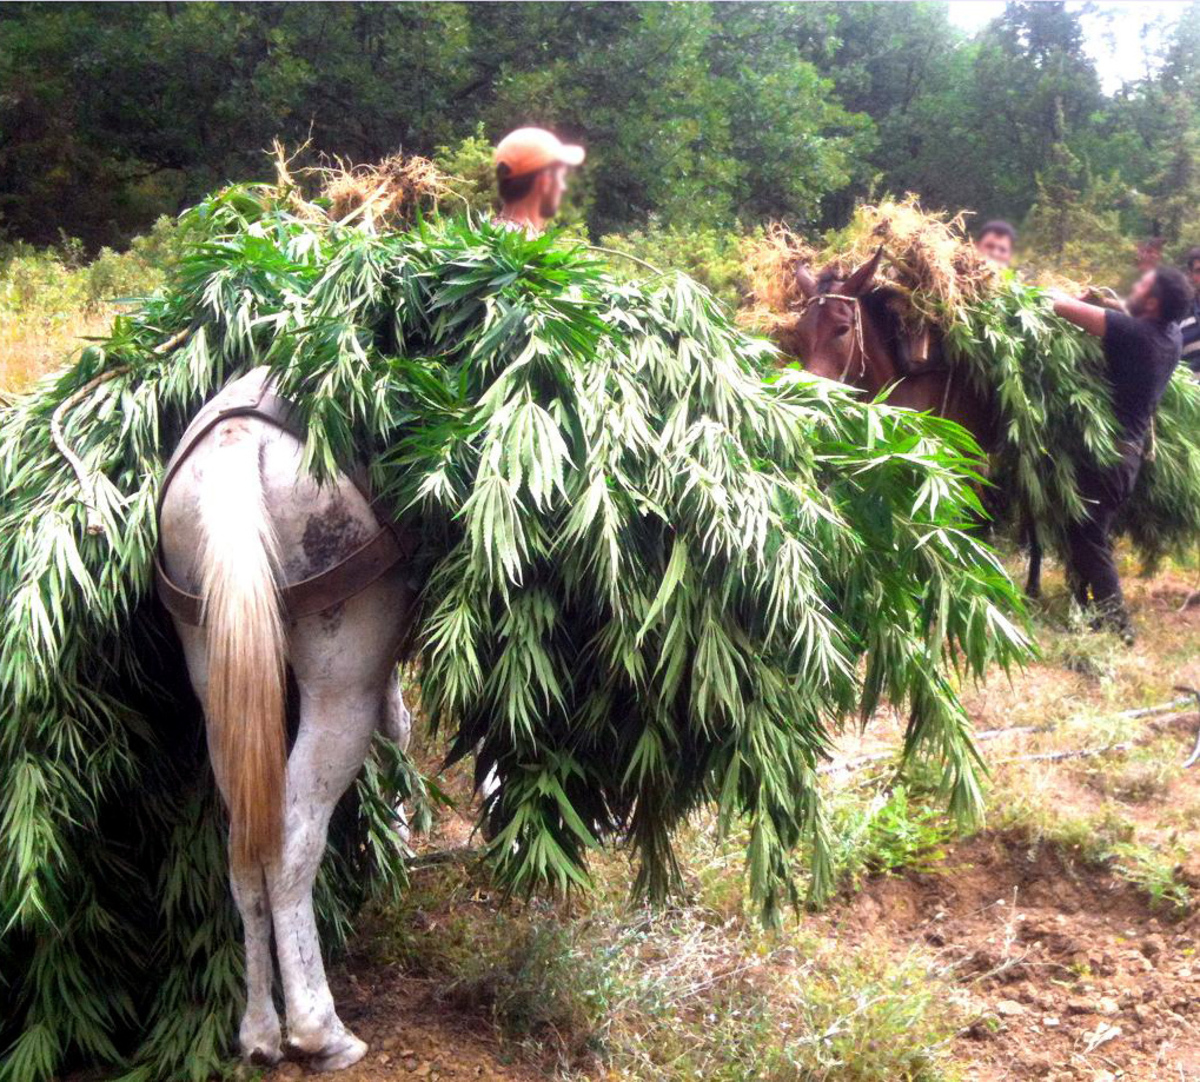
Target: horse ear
(806, 282)
(859, 282)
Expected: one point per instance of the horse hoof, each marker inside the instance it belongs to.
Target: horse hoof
(346, 1051)
(261, 1056)
(342, 1050)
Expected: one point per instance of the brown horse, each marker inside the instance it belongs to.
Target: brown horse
(849, 330)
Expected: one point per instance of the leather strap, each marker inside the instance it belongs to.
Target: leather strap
(331, 587)
(377, 555)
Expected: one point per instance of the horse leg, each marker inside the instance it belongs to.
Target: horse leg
(397, 727)
(259, 1035)
(1033, 584)
(336, 727)
(397, 720)
(344, 663)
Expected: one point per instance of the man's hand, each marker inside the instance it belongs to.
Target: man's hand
(1091, 317)
(1104, 298)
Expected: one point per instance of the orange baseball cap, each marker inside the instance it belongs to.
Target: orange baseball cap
(527, 150)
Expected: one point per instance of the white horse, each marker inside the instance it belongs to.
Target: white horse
(242, 522)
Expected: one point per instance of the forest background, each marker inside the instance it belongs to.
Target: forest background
(702, 121)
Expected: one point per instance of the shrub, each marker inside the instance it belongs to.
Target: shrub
(714, 257)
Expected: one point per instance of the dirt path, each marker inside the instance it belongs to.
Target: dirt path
(1068, 970)
(412, 1036)
(1073, 974)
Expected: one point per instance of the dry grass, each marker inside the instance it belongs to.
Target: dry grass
(770, 267)
(928, 258)
(388, 193)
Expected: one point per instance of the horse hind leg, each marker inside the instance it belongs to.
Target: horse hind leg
(260, 1034)
(344, 663)
(397, 727)
(336, 727)
(397, 719)
(342, 659)
(1033, 584)
(1033, 542)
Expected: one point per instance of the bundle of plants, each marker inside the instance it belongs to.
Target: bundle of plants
(652, 580)
(1046, 379)
(1162, 518)
(928, 261)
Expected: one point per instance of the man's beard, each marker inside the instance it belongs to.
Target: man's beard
(1136, 308)
(549, 207)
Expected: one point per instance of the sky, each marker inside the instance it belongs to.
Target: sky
(1113, 31)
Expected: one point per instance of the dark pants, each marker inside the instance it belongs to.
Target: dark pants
(1089, 540)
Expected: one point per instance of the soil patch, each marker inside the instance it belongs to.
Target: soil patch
(411, 1035)
(1072, 973)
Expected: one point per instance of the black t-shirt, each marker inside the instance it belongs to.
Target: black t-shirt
(1141, 355)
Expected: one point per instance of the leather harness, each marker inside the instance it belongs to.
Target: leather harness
(377, 555)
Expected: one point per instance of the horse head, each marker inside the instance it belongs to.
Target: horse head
(849, 330)
(830, 332)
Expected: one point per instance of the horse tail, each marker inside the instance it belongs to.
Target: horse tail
(246, 647)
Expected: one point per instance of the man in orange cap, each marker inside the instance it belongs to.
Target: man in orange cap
(531, 173)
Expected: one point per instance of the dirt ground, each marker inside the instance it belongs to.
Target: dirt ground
(1074, 974)
(1070, 971)
(411, 1036)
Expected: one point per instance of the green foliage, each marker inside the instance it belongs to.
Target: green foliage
(1051, 397)
(140, 269)
(696, 111)
(713, 257)
(1155, 873)
(58, 282)
(700, 114)
(653, 581)
(1075, 223)
(1173, 203)
(892, 831)
(473, 174)
(1055, 419)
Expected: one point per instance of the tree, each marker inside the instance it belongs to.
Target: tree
(1173, 204)
(692, 112)
(1030, 69)
(1074, 227)
(905, 67)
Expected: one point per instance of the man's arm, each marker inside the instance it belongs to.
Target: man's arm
(1091, 317)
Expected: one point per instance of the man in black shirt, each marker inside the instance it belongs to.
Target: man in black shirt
(1142, 350)
(1190, 324)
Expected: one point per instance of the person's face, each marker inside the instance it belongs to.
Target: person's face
(1142, 301)
(552, 186)
(1194, 271)
(996, 247)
